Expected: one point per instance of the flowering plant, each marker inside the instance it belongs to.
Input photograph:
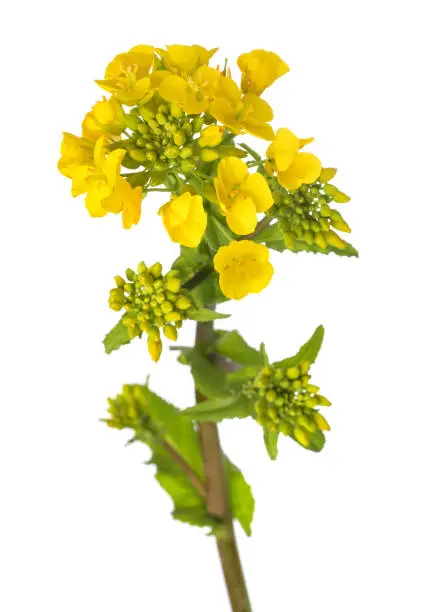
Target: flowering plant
(174, 124)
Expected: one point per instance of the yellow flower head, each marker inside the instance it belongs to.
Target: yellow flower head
(241, 195)
(194, 93)
(106, 191)
(185, 219)
(126, 76)
(244, 268)
(106, 117)
(247, 113)
(211, 136)
(75, 152)
(260, 69)
(293, 168)
(185, 59)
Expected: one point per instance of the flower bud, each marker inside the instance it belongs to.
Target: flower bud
(183, 303)
(170, 332)
(154, 348)
(208, 155)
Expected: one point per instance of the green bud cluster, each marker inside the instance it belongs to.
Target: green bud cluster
(126, 410)
(153, 302)
(286, 401)
(163, 136)
(306, 215)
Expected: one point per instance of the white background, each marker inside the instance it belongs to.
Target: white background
(84, 526)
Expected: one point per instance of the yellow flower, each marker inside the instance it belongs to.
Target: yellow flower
(247, 113)
(75, 152)
(106, 116)
(260, 69)
(193, 93)
(126, 76)
(185, 59)
(244, 268)
(241, 195)
(211, 136)
(293, 168)
(185, 219)
(106, 191)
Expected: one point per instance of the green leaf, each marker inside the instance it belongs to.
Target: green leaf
(232, 345)
(272, 237)
(137, 178)
(208, 291)
(308, 352)
(241, 498)
(170, 425)
(219, 408)
(271, 441)
(217, 233)
(203, 315)
(209, 379)
(116, 338)
(189, 262)
(189, 505)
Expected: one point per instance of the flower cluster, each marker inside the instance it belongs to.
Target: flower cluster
(171, 123)
(126, 410)
(286, 401)
(153, 302)
(305, 214)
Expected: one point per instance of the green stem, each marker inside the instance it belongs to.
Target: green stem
(217, 497)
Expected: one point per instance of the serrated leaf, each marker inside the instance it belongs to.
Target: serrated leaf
(231, 344)
(219, 408)
(116, 338)
(308, 352)
(202, 315)
(271, 443)
(179, 432)
(241, 498)
(189, 505)
(208, 291)
(209, 379)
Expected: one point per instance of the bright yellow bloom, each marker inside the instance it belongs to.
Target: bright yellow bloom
(193, 93)
(126, 76)
(185, 59)
(106, 191)
(260, 69)
(244, 268)
(241, 195)
(75, 152)
(211, 136)
(106, 117)
(247, 113)
(293, 168)
(185, 219)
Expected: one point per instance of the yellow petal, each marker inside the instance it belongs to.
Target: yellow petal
(241, 216)
(231, 173)
(258, 189)
(172, 88)
(93, 205)
(260, 110)
(284, 148)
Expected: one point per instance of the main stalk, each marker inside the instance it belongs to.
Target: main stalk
(217, 497)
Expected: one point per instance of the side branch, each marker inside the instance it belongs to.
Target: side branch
(187, 470)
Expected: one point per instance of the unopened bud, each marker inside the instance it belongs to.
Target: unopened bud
(170, 332)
